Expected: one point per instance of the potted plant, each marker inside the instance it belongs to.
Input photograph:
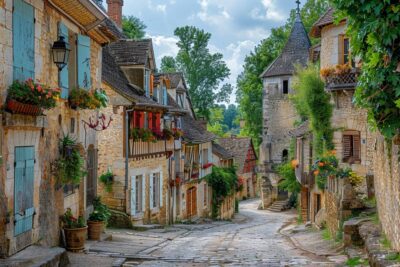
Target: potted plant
(30, 98)
(168, 134)
(178, 133)
(75, 231)
(84, 99)
(97, 219)
(107, 180)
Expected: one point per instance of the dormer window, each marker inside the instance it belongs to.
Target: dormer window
(285, 87)
(179, 99)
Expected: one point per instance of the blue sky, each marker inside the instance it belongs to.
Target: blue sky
(237, 26)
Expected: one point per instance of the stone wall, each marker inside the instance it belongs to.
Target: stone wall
(44, 134)
(387, 188)
(329, 55)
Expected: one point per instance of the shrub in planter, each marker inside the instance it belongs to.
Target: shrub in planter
(75, 231)
(84, 99)
(97, 219)
(107, 180)
(30, 98)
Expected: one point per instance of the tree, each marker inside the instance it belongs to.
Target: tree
(230, 115)
(203, 70)
(215, 122)
(133, 27)
(168, 64)
(249, 84)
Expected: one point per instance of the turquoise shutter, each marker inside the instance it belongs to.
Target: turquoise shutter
(63, 75)
(151, 191)
(161, 189)
(165, 96)
(23, 41)
(83, 63)
(143, 193)
(23, 189)
(133, 195)
(147, 82)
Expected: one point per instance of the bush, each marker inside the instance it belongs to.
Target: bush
(289, 182)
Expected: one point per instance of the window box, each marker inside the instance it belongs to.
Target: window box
(17, 107)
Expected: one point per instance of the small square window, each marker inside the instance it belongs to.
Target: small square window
(285, 87)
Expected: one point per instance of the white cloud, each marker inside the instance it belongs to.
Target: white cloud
(271, 12)
(214, 18)
(164, 46)
(161, 8)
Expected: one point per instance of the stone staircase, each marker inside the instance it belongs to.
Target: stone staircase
(278, 206)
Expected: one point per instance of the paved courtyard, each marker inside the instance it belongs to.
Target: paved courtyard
(251, 239)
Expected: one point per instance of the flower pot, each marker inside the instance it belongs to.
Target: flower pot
(75, 238)
(95, 229)
(16, 107)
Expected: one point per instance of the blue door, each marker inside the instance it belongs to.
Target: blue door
(23, 189)
(23, 41)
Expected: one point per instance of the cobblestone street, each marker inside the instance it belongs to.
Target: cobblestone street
(251, 239)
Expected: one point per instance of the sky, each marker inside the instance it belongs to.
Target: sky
(237, 26)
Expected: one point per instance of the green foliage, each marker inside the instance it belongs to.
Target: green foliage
(101, 212)
(203, 70)
(313, 103)
(168, 65)
(289, 182)
(385, 242)
(107, 179)
(249, 84)
(133, 27)
(393, 256)
(223, 182)
(32, 93)
(230, 114)
(326, 235)
(70, 166)
(71, 222)
(84, 99)
(215, 122)
(375, 39)
(357, 261)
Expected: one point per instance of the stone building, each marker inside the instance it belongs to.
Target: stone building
(246, 160)
(31, 199)
(279, 114)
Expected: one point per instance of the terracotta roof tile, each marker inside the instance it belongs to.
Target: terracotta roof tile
(221, 152)
(238, 146)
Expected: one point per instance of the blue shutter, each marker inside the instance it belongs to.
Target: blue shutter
(165, 96)
(133, 195)
(23, 41)
(63, 75)
(23, 189)
(147, 83)
(83, 61)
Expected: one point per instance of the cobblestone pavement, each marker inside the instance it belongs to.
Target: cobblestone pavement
(251, 239)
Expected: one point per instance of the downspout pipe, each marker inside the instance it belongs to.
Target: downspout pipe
(127, 147)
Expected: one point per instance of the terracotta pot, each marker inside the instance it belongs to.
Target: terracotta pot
(95, 229)
(20, 108)
(75, 238)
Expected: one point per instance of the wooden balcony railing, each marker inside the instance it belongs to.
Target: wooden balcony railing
(141, 149)
(342, 81)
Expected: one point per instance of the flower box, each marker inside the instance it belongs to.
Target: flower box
(17, 107)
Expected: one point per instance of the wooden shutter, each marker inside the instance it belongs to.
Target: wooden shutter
(23, 41)
(23, 189)
(158, 122)
(141, 119)
(341, 49)
(63, 75)
(83, 61)
(152, 84)
(356, 147)
(347, 146)
(161, 189)
(133, 195)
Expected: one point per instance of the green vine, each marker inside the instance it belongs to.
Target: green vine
(224, 182)
(107, 180)
(373, 27)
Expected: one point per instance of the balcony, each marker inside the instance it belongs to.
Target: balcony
(342, 80)
(139, 149)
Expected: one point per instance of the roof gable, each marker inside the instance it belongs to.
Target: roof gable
(239, 147)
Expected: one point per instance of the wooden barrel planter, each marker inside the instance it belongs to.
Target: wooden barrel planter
(75, 238)
(95, 229)
(16, 107)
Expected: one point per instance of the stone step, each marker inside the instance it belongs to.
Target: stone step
(37, 256)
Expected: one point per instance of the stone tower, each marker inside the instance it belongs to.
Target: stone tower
(279, 114)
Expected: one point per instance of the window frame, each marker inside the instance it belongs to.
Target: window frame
(355, 140)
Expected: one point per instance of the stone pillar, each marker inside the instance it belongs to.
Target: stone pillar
(115, 11)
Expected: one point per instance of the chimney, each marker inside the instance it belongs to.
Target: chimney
(115, 11)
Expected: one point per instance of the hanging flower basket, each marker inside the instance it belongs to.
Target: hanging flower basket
(16, 107)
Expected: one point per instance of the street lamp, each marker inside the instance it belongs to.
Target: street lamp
(60, 51)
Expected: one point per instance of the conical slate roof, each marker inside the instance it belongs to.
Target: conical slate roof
(295, 51)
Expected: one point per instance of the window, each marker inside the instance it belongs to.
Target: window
(344, 50)
(179, 99)
(285, 155)
(205, 156)
(285, 87)
(139, 193)
(351, 147)
(147, 82)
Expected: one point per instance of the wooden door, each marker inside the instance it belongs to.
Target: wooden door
(191, 202)
(23, 189)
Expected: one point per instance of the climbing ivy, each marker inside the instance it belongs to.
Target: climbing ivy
(373, 27)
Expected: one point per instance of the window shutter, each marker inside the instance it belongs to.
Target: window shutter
(152, 84)
(158, 122)
(151, 191)
(341, 49)
(347, 146)
(141, 119)
(161, 189)
(83, 61)
(356, 147)
(23, 41)
(143, 192)
(63, 75)
(133, 195)
(165, 96)
(146, 83)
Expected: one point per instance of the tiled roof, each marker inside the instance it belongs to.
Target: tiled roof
(113, 75)
(324, 20)
(193, 131)
(295, 51)
(113, 29)
(221, 152)
(174, 107)
(301, 130)
(131, 52)
(175, 78)
(238, 146)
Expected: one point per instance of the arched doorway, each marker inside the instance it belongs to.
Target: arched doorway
(191, 202)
